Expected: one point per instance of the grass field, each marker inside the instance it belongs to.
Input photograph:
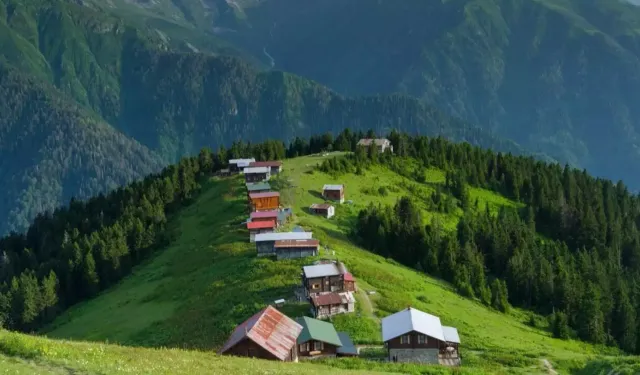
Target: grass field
(192, 294)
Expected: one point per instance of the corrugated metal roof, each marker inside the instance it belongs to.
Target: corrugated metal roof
(326, 299)
(320, 270)
(409, 320)
(261, 224)
(314, 329)
(318, 206)
(296, 243)
(258, 186)
(451, 334)
(266, 194)
(250, 170)
(347, 345)
(332, 187)
(264, 214)
(283, 236)
(266, 164)
(236, 161)
(348, 276)
(272, 330)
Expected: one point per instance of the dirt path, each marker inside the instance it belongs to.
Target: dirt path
(368, 306)
(549, 366)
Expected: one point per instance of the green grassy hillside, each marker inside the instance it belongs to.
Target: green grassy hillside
(193, 293)
(26, 355)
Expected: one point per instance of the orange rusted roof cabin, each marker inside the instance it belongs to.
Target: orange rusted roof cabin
(269, 334)
(266, 201)
(333, 193)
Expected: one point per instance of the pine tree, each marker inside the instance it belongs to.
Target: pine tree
(560, 325)
(590, 318)
(89, 275)
(49, 291)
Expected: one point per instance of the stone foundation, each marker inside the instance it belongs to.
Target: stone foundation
(415, 355)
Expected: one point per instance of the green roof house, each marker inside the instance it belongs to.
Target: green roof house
(317, 339)
(258, 187)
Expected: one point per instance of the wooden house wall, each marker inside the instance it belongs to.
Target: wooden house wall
(266, 203)
(265, 248)
(325, 284)
(432, 343)
(334, 194)
(349, 286)
(327, 349)
(248, 348)
(296, 252)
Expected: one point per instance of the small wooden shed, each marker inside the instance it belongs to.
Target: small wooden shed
(266, 201)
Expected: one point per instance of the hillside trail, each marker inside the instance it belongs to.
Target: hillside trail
(368, 308)
(549, 366)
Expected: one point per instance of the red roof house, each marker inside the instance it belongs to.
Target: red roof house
(261, 224)
(269, 334)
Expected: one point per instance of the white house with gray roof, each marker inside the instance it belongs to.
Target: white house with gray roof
(412, 335)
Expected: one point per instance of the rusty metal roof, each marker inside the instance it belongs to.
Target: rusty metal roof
(261, 224)
(264, 214)
(266, 194)
(296, 243)
(269, 328)
(326, 299)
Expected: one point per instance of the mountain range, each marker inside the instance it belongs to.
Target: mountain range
(94, 94)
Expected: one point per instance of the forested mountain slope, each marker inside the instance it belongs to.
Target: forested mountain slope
(166, 97)
(52, 150)
(559, 77)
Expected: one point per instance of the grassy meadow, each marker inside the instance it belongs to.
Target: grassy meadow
(192, 294)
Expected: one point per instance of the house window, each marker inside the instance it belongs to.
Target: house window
(304, 347)
(422, 339)
(405, 339)
(317, 345)
(315, 286)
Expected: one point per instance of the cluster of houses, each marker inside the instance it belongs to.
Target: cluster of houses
(409, 335)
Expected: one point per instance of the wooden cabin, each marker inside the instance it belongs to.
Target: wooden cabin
(324, 209)
(274, 166)
(265, 242)
(272, 215)
(330, 304)
(269, 334)
(256, 174)
(382, 144)
(333, 193)
(411, 335)
(237, 165)
(325, 278)
(289, 249)
(317, 339)
(267, 201)
(257, 227)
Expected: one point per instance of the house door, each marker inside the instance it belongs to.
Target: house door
(252, 353)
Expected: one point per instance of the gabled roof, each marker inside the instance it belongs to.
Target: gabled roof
(320, 206)
(451, 334)
(250, 170)
(347, 345)
(314, 329)
(241, 161)
(261, 224)
(258, 186)
(266, 194)
(283, 236)
(320, 270)
(326, 299)
(409, 320)
(269, 328)
(264, 214)
(269, 164)
(332, 187)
